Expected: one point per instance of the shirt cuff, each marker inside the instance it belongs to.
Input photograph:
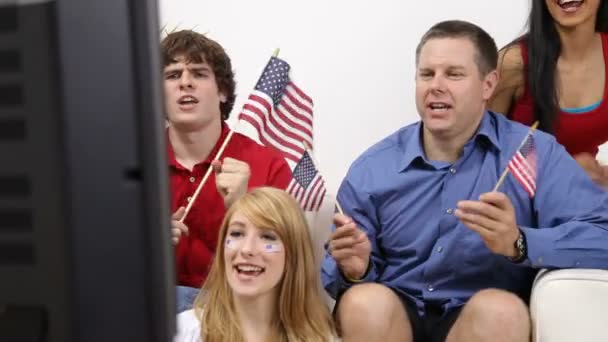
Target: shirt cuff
(538, 248)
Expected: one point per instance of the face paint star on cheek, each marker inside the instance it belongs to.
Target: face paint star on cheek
(273, 247)
(232, 244)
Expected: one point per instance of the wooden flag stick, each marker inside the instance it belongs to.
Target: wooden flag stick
(314, 162)
(506, 171)
(208, 173)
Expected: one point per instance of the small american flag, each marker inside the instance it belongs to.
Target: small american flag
(279, 111)
(282, 115)
(523, 165)
(307, 185)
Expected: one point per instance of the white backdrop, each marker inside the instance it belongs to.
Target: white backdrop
(356, 60)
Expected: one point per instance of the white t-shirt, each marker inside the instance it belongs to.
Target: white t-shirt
(188, 327)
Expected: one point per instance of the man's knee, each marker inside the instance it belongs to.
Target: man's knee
(372, 312)
(498, 308)
(371, 303)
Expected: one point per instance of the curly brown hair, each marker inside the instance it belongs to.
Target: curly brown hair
(197, 48)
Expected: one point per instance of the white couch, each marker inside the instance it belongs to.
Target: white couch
(570, 305)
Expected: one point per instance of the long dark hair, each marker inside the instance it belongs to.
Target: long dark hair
(544, 48)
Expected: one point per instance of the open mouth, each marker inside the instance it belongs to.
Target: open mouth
(187, 100)
(249, 270)
(439, 107)
(570, 5)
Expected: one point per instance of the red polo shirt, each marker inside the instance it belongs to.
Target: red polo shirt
(195, 251)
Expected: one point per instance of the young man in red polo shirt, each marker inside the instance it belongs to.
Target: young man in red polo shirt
(199, 94)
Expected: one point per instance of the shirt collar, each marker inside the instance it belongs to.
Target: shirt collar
(488, 129)
(413, 145)
(171, 153)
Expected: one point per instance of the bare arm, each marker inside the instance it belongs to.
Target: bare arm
(511, 80)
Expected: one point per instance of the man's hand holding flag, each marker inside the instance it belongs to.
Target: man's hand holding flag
(493, 215)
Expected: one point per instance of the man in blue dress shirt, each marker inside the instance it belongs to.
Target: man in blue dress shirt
(426, 251)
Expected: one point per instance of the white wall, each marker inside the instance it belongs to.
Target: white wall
(356, 60)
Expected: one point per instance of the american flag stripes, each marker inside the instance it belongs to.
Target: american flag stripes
(523, 165)
(280, 111)
(282, 115)
(307, 185)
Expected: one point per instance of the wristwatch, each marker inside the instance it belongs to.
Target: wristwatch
(522, 248)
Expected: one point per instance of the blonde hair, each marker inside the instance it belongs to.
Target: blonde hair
(302, 315)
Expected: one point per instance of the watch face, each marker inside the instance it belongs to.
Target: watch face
(521, 245)
(520, 242)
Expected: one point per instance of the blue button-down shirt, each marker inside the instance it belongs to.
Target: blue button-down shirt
(405, 204)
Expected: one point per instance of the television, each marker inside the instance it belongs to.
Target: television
(85, 247)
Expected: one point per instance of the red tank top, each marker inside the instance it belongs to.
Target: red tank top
(582, 132)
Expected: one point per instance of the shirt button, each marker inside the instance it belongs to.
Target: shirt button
(431, 288)
(189, 198)
(452, 170)
(192, 179)
(449, 211)
(439, 249)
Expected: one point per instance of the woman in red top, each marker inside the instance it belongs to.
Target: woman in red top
(557, 73)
